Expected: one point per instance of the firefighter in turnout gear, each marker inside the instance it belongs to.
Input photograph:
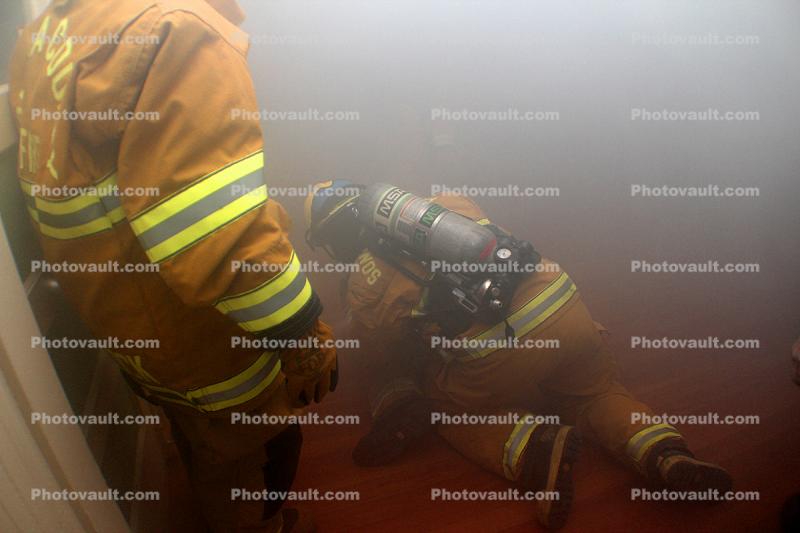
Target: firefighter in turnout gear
(146, 149)
(403, 318)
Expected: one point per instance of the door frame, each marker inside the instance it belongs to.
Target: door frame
(51, 457)
(36, 456)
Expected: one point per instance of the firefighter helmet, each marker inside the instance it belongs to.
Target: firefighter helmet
(330, 221)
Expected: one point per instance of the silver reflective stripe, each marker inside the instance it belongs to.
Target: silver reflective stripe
(100, 206)
(111, 202)
(514, 446)
(518, 440)
(170, 394)
(87, 214)
(519, 322)
(637, 447)
(199, 210)
(497, 333)
(273, 304)
(265, 369)
(244, 387)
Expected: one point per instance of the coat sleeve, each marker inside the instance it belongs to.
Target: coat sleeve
(193, 155)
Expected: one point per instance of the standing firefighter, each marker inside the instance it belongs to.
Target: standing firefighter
(174, 179)
(403, 312)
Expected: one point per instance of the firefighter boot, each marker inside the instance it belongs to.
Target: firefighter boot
(394, 432)
(547, 467)
(672, 466)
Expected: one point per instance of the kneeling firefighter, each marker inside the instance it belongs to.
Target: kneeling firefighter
(450, 341)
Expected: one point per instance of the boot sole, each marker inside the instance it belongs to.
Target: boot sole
(698, 476)
(553, 513)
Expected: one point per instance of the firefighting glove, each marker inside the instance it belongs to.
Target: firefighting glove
(311, 370)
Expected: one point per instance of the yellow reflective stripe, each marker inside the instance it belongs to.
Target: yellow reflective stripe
(641, 442)
(195, 191)
(275, 301)
(561, 283)
(208, 224)
(284, 314)
(116, 215)
(264, 292)
(133, 365)
(168, 395)
(109, 181)
(272, 303)
(68, 211)
(226, 390)
(249, 395)
(536, 300)
(535, 321)
(70, 205)
(484, 222)
(90, 228)
(65, 207)
(235, 381)
(230, 384)
(172, 398)
(421, 309)
(515, 445)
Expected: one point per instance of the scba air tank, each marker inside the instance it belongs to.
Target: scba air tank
(425, 228)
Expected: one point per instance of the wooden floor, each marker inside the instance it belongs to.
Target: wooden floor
(763, 458)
